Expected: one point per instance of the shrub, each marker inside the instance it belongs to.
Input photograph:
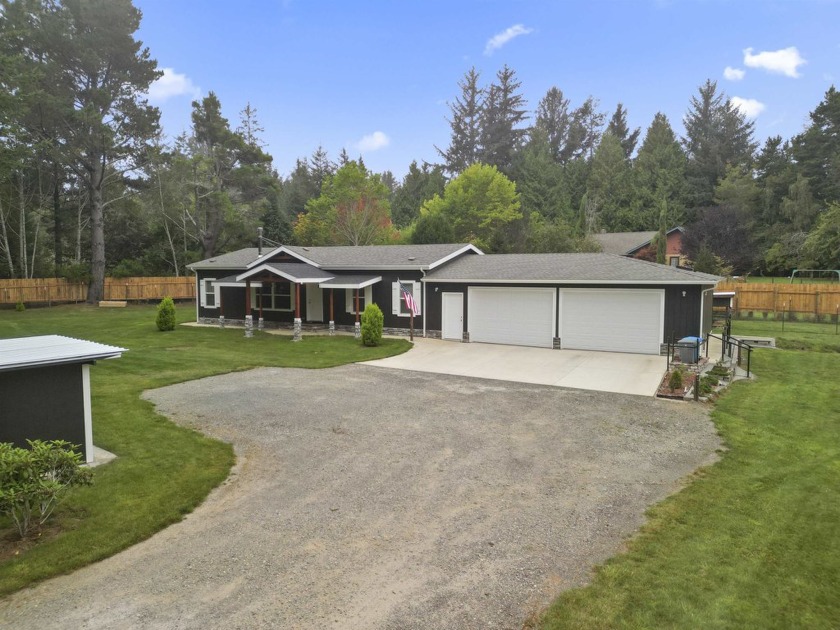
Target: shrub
(372, 321)
(166, 314)
(34, 480)
(675, 381)
(20, 307)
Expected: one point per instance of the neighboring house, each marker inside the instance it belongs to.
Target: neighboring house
(640, 245)
(576, 301)
(45, 389)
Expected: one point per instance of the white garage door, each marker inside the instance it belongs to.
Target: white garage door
(615, 320)
(522, 317)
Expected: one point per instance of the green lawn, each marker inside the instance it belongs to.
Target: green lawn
(753, 541)
(162, 471)
(794, 335)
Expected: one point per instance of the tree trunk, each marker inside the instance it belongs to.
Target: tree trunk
(4, 242)
(96, 288)
(23, 256)
(57, 225)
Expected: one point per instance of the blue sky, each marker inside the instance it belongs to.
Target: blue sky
(375, 77)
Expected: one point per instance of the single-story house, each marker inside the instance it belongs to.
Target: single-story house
(579, 301)
(640, 244)
(45, 389)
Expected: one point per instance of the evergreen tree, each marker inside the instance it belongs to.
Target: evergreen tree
(553, 122)
(465, 123)
(418, 186)
(817, 149)
(585, 134)
(718, 135)
(609, 186)
(618, 127)
(501, 134)
(659, 172)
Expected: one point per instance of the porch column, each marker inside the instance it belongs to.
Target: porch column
(332, 316)
(296, 335)
(357, 329)
(249, 318)
(260, 325)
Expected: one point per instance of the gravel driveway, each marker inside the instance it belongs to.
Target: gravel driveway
(371, 498)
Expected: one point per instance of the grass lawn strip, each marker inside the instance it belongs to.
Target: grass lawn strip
(163, 471)
(754, 541)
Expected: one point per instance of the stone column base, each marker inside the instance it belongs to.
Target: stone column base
(296, 335)
(221, 321)
(249, 326)
(260, 324)
(332, 328)
(357, 330)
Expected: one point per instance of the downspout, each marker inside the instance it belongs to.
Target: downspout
(703, 308)
(423, 289)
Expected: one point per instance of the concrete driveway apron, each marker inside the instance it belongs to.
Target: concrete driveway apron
(622, 373)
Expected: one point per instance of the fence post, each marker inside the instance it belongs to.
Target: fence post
(816, 306)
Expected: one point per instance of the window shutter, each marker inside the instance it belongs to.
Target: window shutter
(348, 300)
(418, 290)
(202, 293)
(368, 295)
(395, 298)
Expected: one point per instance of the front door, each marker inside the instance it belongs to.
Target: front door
(314, 303)
(453, 316)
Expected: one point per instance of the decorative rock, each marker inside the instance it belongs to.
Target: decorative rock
(296, 335)
(249, 326)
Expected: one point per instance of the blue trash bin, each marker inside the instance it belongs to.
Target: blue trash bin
(689, 349)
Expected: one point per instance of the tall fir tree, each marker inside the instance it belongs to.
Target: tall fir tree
(817, 149)
(502, 134)
(465, 125)
(553, 122)
(618, 127)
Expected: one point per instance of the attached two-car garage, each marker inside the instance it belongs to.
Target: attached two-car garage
(617, 320)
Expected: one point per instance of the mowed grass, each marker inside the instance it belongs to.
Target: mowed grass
(753, 541)
(819, 337)
(162, 471)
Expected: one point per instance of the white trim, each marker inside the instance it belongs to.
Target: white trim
(197, 296)
(703, 309)
(215, 294)
(455, 254)
(423, 293)
(490, 282)
(239, 285)
(350, 299)
(443, 295)
(396, 305)
(282, 274)
(281, 250)
(87, 413)
(272, 294)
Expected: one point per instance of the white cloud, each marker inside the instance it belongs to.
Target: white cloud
(172, 84)
(733, 74)
(784, 61)
(373, 141)
(748, 106)
(500, 39)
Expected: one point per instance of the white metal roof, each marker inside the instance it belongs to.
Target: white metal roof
(28, 352)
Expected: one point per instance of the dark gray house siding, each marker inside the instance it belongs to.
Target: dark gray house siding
(44, 403)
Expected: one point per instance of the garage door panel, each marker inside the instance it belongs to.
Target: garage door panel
(517, 316)
(616, 320)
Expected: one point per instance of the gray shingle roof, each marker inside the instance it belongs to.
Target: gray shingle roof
(622, 242)
(234, 260)
(299, 270)
(377, 256)
(565, 268)
(29, 352)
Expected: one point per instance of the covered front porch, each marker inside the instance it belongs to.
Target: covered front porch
(294, 295)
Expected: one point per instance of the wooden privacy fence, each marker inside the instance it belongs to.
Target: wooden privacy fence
(50, 290)
(818, 301)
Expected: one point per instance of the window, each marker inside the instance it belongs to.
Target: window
(365, 298)
(278, 296)
(398, 306)
(674, 261)
(208, 293)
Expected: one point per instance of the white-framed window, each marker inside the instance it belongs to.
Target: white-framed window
(278, 296)
(365, 298)
(674, 261)
(208, 293)
(398, 306)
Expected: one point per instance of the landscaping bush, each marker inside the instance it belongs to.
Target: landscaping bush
(166, 314)
(676, 380)
(33, 480)
(20, 307)
(372, 322)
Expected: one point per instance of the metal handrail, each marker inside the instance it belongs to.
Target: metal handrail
(727, 341)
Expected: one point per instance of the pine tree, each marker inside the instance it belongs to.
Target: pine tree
(554, 122)
(817, 149)
(718, 135)
(618, 127)
(502, 135)
(465, 123)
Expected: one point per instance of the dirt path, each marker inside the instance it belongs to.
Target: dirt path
(370, 498)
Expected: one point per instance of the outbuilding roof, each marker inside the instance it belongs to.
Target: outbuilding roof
(28, 352)
(566, 269)
(626, 243)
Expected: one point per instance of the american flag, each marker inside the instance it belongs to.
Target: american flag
(408, 296)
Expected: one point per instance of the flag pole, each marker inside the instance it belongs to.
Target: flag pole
(411, 327)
